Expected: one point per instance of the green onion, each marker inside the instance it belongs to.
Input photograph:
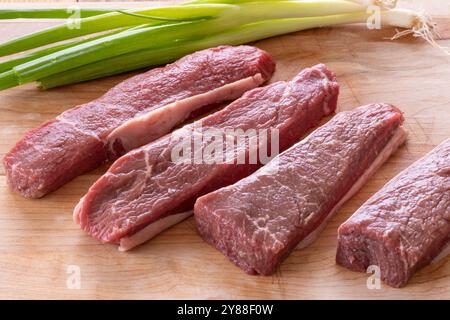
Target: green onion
(140, 59)
(163, 35)
(108, 21)
(238, 35)
(8, 80)
(160, 35)
(109, 46)
(9, 64)
(253, 10)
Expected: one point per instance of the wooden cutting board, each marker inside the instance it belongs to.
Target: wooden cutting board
(41, 249)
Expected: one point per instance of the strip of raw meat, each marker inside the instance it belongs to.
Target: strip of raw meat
(76, 141)
(259, 220)
(146, 186)
(405, 225)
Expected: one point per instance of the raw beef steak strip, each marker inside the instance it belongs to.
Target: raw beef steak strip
(76, 141)
(405, 225)
(259, 220)
(145, 192)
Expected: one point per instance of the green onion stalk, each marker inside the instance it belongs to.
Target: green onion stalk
(162, 35)
(238, 35)
(246, 10)
(157, 36)
(23, 58)
(109, 21)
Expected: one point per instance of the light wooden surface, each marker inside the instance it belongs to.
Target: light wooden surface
(39, 241)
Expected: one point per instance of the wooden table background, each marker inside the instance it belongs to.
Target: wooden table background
(39, 242)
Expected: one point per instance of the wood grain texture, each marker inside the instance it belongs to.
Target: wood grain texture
(39, 241)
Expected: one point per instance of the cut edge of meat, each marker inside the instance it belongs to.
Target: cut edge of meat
(397, 279)
(397, 140)
(23, 182)
(363, 243)
(152, 230)
(156, 123)
(402, 274)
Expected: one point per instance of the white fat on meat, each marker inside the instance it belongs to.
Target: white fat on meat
(153, 229)
(153, 125)
(145, 234)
